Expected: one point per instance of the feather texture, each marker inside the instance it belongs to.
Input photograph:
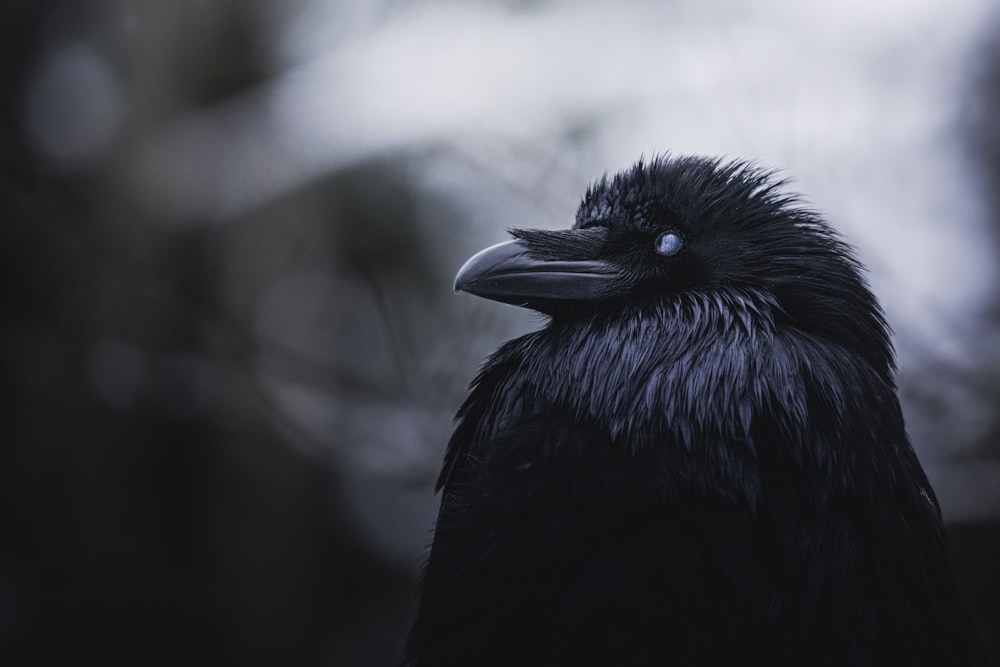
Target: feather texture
(705, 465)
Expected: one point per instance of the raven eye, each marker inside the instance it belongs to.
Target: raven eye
(668, 243)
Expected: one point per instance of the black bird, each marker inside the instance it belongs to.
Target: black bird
(699, 459)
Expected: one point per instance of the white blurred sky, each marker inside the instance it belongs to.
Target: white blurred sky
(857, 102)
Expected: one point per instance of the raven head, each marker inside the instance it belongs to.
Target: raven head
(691, 230)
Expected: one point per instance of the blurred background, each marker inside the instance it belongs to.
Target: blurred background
(229, 344)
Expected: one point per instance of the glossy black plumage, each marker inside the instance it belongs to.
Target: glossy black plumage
(699, 459)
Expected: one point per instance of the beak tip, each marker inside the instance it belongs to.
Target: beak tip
(462, 280)
(480, 265)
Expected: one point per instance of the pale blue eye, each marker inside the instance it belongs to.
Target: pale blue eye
(669, 243)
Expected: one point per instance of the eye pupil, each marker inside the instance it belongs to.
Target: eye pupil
(668, 243)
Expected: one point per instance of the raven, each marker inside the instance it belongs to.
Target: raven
(699, 459)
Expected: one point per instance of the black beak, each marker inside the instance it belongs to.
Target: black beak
(541, 270)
